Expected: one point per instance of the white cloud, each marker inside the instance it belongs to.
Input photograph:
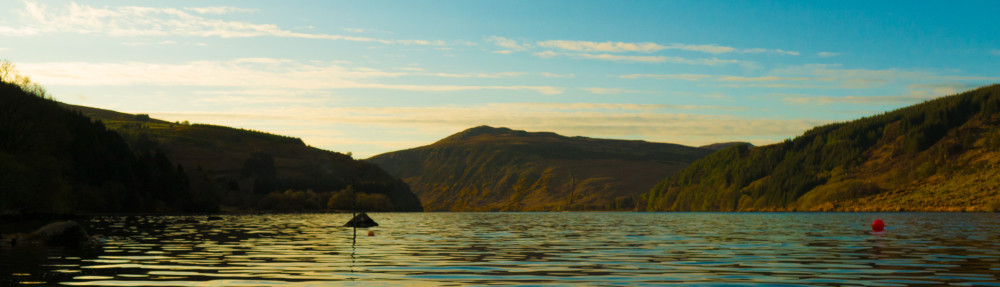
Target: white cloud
(827, 54)
(774, 51)
(662, 59)
(622, 58)
(614, 91)
(420, 42)
(133, 21)
(509, 45)
(870, 100)
(712, 49)
(650, 122)
(835, 77)
(609, 47)
(218, 10)
(163, 43)
(257, 73)
(685, 77)
(762, 79)
(720, 78)
(624, 47)
(478, 75)
(554, 75)
(995, 52)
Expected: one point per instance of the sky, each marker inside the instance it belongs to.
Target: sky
(369, 77)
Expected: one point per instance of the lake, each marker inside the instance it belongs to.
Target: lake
(435, 249)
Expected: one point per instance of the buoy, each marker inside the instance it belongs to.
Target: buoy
(878, 225)
(371, 232)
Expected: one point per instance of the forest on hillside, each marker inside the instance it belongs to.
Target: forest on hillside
(840, 158)
(54, 160)
(59, 158)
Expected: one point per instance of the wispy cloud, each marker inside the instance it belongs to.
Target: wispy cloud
(870, 100)
(258, 73)
(134, 21)
(662, 59)
(650, 47)
(827, 54)
(509, 45)
(763, 79)
(664, 123)
(554, 75)
(623, 58)
(772, 51)
(624, 47)
(607, 47)
(615, 91)
(478, 75)
(995, 52)
(720, 78)
(218, 10)
(685, 77)
(150, 43)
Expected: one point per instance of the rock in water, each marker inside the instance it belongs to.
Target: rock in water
(361, 220)
(65, 234)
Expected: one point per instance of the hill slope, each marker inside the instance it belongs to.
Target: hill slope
(941, 155)
(54, 160)
(241, 166)
(499, 169)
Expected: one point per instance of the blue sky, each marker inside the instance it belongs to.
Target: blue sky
(375, 76)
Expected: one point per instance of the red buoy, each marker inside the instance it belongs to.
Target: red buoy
(878, 225)
(371, 233)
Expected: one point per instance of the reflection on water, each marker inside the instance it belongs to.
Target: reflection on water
(525, 248)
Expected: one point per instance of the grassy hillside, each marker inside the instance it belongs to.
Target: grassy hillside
(499, 169)
(256, 170)
(941, 155)
(54, 160)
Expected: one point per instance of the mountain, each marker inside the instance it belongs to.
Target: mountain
(940, 155)
(255, 170)
(499, 169)
(54, 160)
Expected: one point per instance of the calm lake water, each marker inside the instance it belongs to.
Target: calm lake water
(433, 249)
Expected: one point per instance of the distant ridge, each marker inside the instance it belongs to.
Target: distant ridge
(500, 169)
(721, 146)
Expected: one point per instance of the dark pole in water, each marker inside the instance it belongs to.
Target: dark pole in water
(354, 211)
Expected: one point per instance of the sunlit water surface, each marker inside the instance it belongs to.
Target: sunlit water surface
(525, 249)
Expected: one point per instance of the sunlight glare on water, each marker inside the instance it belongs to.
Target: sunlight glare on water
(525, 248)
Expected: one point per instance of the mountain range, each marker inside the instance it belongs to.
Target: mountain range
(940, 155)
(500, 169)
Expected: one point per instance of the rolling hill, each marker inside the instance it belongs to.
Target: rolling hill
(245, 169)
(54, 160)
(499, 169)
(940, 155)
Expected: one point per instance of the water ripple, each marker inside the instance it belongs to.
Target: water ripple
(716, 249)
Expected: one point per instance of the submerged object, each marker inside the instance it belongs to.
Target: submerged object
(361, 220)
(878, 225)
(64, 234)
